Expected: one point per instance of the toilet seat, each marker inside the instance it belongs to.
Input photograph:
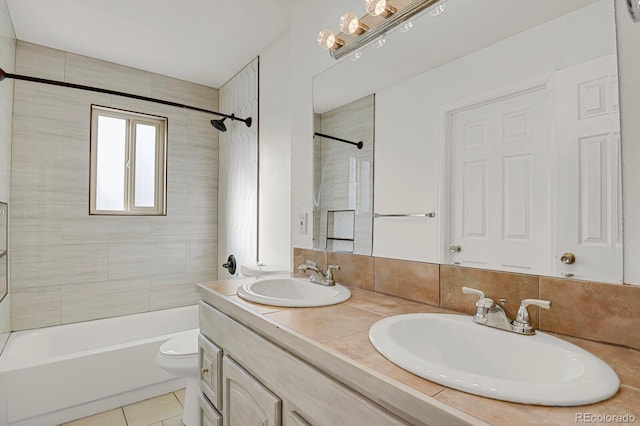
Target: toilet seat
(183, 345)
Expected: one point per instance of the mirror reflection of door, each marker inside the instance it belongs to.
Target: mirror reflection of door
(509, 204)
(499, 173)
(588, 174)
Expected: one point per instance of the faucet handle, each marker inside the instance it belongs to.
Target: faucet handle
(521, 323)
(310, 263)
(469, 290)
(546, 304)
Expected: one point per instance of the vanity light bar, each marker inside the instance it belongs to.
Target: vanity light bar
(400, 16)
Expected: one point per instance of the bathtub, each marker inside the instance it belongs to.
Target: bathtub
(53, 375)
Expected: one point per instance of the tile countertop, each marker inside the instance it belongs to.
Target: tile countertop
(335, 339)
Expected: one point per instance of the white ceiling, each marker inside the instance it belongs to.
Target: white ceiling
(202, 41)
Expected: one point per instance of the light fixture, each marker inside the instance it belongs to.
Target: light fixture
(380, 19)
(328, 40)
(350, 24)
(379, 7)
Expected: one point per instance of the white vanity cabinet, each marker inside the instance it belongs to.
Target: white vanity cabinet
(264, 384)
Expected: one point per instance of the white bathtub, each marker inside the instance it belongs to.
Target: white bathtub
(52, 375)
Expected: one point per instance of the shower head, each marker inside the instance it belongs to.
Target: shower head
(219, 124)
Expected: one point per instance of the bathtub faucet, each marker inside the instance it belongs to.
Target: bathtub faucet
(317, 274)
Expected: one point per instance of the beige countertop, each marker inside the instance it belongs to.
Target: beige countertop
(325, 335)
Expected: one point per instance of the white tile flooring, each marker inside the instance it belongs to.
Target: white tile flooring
(164, 410)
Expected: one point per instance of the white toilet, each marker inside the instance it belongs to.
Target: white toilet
(179, 356)
(258, 269)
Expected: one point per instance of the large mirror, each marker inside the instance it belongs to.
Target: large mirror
(500, 117)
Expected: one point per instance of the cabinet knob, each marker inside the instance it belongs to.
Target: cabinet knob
(204, 371)
(568, 258)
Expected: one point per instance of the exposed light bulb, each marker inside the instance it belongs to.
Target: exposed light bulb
(437, 10)
(350, 24)
(328, 40)
(379, 7)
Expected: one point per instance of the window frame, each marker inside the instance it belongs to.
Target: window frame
(132, 118)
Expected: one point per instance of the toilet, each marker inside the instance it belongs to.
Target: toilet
(179, 356)
(257, 269)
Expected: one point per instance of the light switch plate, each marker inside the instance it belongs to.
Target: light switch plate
(302, 223)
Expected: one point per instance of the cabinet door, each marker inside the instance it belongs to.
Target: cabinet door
(210, 363)
(208, 416)
(246, 400)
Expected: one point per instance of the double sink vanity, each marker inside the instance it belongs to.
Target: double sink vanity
(336, 360)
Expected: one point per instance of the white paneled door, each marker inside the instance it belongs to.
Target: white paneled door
(588, 172)
(238, 172)
(499, 180)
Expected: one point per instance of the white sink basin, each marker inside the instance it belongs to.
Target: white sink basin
(454, 351)
(293, 292)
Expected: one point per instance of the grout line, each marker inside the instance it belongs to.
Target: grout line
(124, 416)
(435, 395)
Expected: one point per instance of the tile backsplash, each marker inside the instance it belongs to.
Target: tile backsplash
(589, 310)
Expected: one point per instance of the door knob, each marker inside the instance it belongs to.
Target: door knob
(455, 249)
(568, 258)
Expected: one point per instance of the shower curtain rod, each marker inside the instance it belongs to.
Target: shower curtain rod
(4, 75)
(358, 144)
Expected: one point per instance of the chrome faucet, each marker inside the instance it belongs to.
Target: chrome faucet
(491, 314)
(317, 274)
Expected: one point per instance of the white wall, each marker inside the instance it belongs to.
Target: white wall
(274, 214)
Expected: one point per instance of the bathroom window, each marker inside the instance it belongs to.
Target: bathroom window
(128, 162)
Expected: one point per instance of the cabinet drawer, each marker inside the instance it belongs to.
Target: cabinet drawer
(207, 415)
(210, 365)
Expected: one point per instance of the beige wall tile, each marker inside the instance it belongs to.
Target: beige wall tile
(354, 270)
(30, 58)
(184, 92)
(202, 256)
(41, 266)
(496, 285)
(34, 307)
(83, 302)
(411, 280)
(146, 259)
(106, 75)
(387, 305)
(603, 312)
(301, 255)
(56, 241)
(35, 224)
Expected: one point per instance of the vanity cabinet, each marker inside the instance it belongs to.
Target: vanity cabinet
(264, 384)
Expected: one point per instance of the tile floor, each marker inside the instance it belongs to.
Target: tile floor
(164, 410)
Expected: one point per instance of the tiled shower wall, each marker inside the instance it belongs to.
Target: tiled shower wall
(68, 266)
(590, 310)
